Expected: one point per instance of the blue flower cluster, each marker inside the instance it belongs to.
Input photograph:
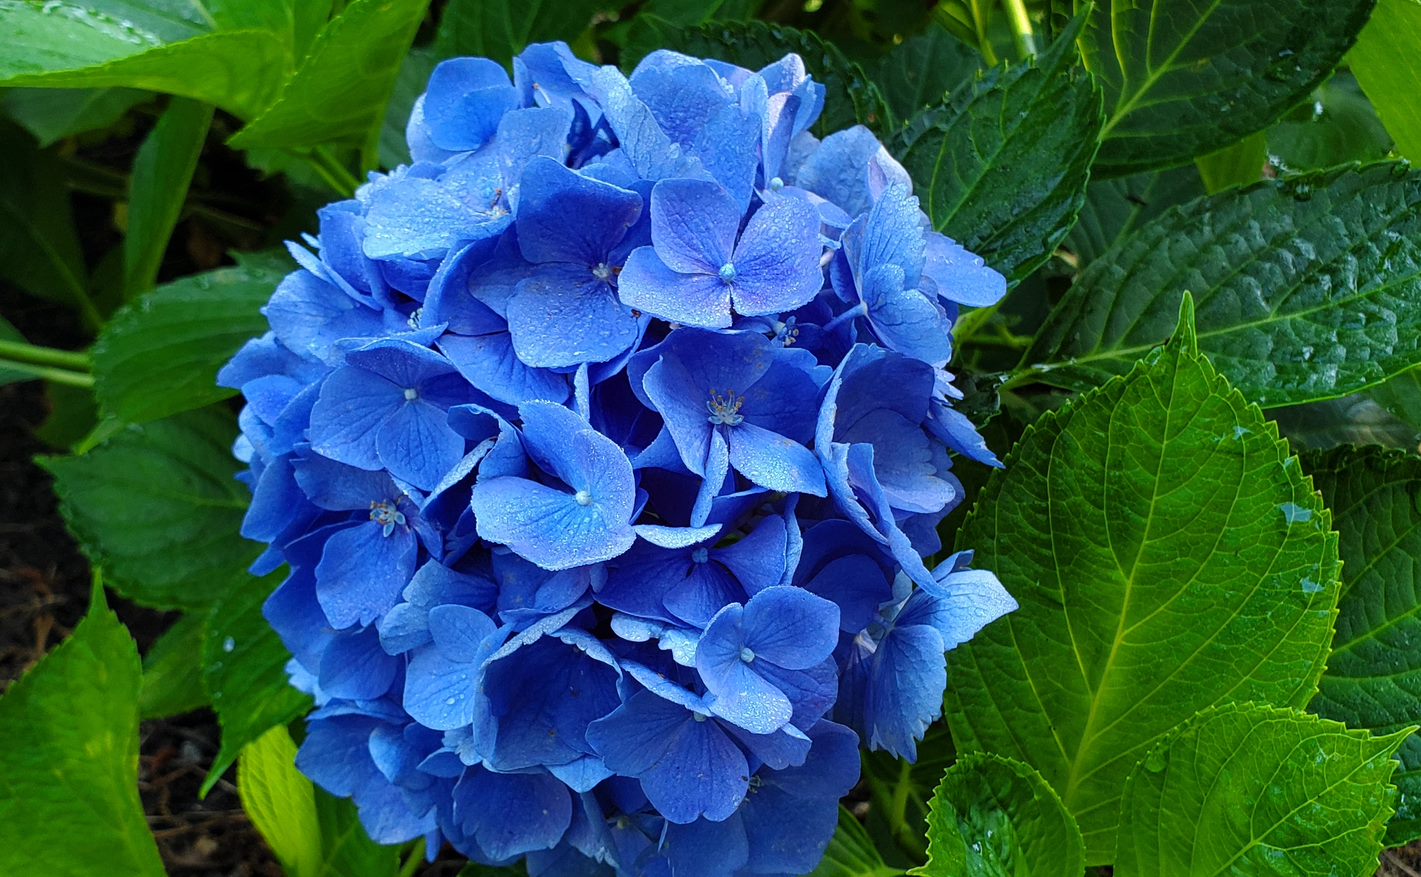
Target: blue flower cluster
(604, 442)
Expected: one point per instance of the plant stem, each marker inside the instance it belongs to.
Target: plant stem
(412, 861)
(336, 175)
(1021, 27)
(48, 373)
(981, 15)
(23, 351)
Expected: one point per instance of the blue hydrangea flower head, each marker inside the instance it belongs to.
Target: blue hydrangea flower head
(603, 444)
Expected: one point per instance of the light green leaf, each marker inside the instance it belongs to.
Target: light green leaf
(158, 508)
(281, 802)
(996, 817)
(61, 44)
(924, 71)
(1115, 208)
(1168, 554)
(172, 671)
(1183, 81)
(160, 355)
(1387, 67)
(162, 172)
(1236, 165)
(244, 670)
(500, 29)
(339, 93)
(1373, 677)
(53, 114)
(1248, 789)
(69, 760)
(1308, 288)
(1002, 165)
(851, 853)
(1337, 126)
(687, 13)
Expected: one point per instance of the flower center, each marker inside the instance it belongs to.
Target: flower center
(787, 332)
(583, 497)
(776, 184)
(727, 272)
(411, 394)
(387, 516)
(602, 272)
(746, 654)
(725, 410)
(700, 555)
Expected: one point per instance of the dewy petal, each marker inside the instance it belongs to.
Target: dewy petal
(510, 814)
(739, 694)
(584, 459)
(564, 216)
(906, 320)
(775, 462)
(465, 100)
(906, 679)
(417, 445)
(961, 276)
(791, 627)
(362, 572)
(777, 260)
(648, 285)
(563, 315)
(418, 218)
(693, 225)
(547, 526)
(352, 406)
(491, 365)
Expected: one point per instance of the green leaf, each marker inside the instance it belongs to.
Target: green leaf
(54, 114)
(244, 670)
(8, 332)
(1115, 208)
(1249, 789)
(347, 850)
(500, 29)
(1308, 288)
(409, 85)
(157, 507)
(851, 853)
(160, 355)
(850, 98)
(1168, 554)
(692, 12)
(1354, 420)
(1401, 396)
(1002, 165)
(172, 674)
(61, 44)
(1236, 165)
(161, 175)
(1388, 69)
(924, 70)
(69, 760)
(901, 790)
(1373, 677)
(996, 817)
(281, 802)
(1338, 126)
(339, 93)
(1183, 81)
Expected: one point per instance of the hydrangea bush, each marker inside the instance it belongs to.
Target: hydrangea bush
(604, 443)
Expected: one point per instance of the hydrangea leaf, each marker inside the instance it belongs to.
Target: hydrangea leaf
(172, 675)
(347, 850)
(1401, 396)
(161, 355)
(69, 759)
(499, 29)
(1356, 419)
(1308, 288)
(1340, 125)
(130, 45)
(281, 802)
(1389, 71)
(692, 12)
(1182, 82)
(53, 114)
(1249, 789)
(162, 172)
(1002, 164)
(1236, 165)
(339, 93)
(1373, 677)
(850, 97)
(157, 506)
(1168, 554)
(924, 70)
(1115, 208)
(244, 671)
(851, 853)
(993, 817)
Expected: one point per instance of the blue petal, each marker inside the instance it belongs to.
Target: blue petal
(907, 676)
(465, 100)
(694, 299)
(777, 260)
(563, 315)
(740, 694)
(362, 572)
(564, 216)
(356, 668)
(791, 627)
(490, 364)
(512, 814)
(775, 462)
(348, 414)
(417, 444)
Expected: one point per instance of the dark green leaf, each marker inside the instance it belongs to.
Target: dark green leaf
(1236, 165)
(339, 93)
(1002, 165)
(348, 850)
(1249, 789)
(851, 853)
(157, 507)
(1308, 288)
(1115, 208)
(161, 175)
(1168, 554)
(69, 760)
(409, 85)
(1183, 81)
(8, 332)
(1401, 396)
(1338, 126)
(161, 355)
(1373, 677)
(500, 29)
(53, 114)
(281, 802)
(172, 674)
(692, 12)
(244, 670)
(1387, 67)
(1350, 420)
(850, 98)
(996, 817)
(924, 70)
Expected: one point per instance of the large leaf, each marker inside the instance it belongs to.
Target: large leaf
(996, 817)
(244, 670)
(1402, 396)
(851, 853)
(850, 98)
(1002, 165)
(53, 114)
(1183, 81)
(69, 760)
(1249, 789)
(161, 175)
(161, 355)
(339, 93)
(61, 44)
(158, 508)
(1115, 208)
(172, 671)
(1168, 554)
(1338, 126)
(281, 802)
(347, 850)
(500, 29)
(924, 70)
(1308, 288)
(1373, 677)
(1388, 68)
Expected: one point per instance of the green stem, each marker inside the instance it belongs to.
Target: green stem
(1021, 27)
(416, 855)
(49, 373)
(336, 175)
(23, 351)
(908, 836)
(981, 17)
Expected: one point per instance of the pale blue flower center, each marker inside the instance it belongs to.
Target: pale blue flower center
(746, 654)
(602, 272)
(725, 409)
(776, 184)
(411, 394)
(387, 516)
(700, 555)
(727, 272)
(583, 497)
